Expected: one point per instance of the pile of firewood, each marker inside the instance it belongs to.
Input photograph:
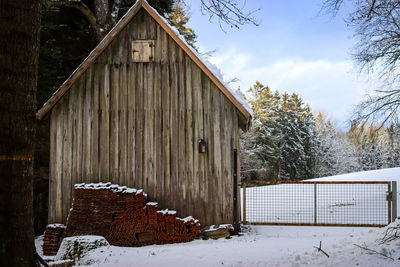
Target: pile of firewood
(124, 217)
(52, 238)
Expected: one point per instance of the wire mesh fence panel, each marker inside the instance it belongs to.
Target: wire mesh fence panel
(283, 203)
(358, 204)
(316, 203)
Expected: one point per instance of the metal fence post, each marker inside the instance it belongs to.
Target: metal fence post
(315, 203)
(394, 201)
(244, 202)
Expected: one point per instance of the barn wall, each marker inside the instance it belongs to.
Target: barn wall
(138, 124)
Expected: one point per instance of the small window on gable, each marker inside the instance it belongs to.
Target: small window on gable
(143, 50)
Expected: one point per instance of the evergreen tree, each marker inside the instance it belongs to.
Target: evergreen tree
(261, 156)
(280, 143)
(296, 144)
(179, 18)
(335, 154)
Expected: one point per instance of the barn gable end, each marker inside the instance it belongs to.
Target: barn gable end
(138, 124)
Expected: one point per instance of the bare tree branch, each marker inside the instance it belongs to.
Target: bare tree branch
(376, 25)
(84, 9)
(229, 12)
(373, 251)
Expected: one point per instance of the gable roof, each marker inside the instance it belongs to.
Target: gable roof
(236, 100)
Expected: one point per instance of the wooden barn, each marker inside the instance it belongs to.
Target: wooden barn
(143, 110)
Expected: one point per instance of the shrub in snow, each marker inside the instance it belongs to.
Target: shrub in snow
(77, 247)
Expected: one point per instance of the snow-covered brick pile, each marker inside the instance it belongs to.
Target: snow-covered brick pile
(77, 247)
(51, 239)
(124, 217)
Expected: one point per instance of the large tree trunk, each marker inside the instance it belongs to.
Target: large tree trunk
(19, 43)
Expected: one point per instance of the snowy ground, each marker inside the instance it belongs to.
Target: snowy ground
(262, 246)
(268, 245)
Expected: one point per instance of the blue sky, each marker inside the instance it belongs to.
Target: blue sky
(295, 49)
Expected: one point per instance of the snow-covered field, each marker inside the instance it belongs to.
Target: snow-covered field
(266, 246)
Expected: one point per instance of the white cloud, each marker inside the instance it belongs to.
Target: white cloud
(331, 86)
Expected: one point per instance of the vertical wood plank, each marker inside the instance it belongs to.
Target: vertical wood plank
(139, 127)
(190, 198)
(217, 154)
(104, 128)
(95, 123)
(174, 126)
(199, 128)
(67, 155)
(165, 47)
(79, 133)
(166, 95)
(208, 217)
(122, 155)
(114, 125)
(87, 126)
(222, 162)
(131, 125)
(237, 146)
(59, 161)
(196, 137)
(74, 92)
(53, 168)
(182, 175)
(158, 45)
(150, 182)
(142, 25)
(124, 48)
(157, 133)
(226, 151)
(150, 27)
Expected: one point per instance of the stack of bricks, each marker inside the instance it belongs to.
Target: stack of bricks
(52, 238)
(124, 217)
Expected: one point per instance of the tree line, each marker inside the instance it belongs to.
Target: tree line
(287, 141)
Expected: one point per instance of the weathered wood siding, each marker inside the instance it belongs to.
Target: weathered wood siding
(138, 124)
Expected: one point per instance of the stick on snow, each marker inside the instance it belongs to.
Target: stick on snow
(320, 249)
